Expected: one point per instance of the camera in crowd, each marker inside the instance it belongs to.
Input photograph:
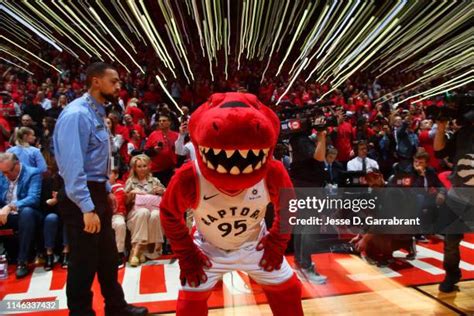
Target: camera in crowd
(460, 108)
(319, 116)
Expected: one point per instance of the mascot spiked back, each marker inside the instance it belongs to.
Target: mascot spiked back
(228, 189)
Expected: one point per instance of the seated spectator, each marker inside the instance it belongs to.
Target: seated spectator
(20, 190)
(134, 145)
(378, 248)
(143, 220)
(26, 153)
(332, 169)
(120, 213)
(362, 162)
(52, 221)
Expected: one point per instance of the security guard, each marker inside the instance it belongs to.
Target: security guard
(82, 151)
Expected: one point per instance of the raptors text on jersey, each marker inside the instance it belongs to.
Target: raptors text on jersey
(228, 221)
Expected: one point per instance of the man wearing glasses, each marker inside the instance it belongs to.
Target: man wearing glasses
(20, 190)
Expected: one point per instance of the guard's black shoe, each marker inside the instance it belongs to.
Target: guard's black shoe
(49, 263)
(129, 310)
(21, 270)
(65, 260)
(449, 283)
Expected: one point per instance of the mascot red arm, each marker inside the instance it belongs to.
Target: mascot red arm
(234, 136)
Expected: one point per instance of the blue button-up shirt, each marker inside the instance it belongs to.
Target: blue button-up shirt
(81, 147)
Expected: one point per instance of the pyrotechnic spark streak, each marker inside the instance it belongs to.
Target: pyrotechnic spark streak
(129, 21)
(424, 42)
(206, 38)
(252, 23)
(242, 32)
(57, 28)
(471, 79)
(217, 21)
(226, 26)
(293, 80)
(210, 26)
(373, 51)
(182, 48)
(116, 25)
(348, 46)
(16, 65)
(450, 83)
(97, 17)
(152, 33)
(182, 22)
(375, 32)
(298, 30)
(30, 53)
(30, 27)
(274, 42)
(13, 55)
(197, 19)
(292, 14)
(168, 94)
(179, 59)
(317, 28)
(13, 30)
(334, 35)
(59, 21)
(26, 16)
(73, 18)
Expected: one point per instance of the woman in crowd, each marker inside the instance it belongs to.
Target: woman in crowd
(143, 197)
(25, 151)
(48, 130)
(52, 223)
(117, 141)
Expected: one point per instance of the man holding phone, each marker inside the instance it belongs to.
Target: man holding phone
(160, 146)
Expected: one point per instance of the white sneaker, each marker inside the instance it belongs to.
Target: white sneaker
(311, 275)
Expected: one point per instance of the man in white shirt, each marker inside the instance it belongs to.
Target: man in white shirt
(182, 148)
(362, 162)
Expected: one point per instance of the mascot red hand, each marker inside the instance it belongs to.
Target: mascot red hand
(228, 189)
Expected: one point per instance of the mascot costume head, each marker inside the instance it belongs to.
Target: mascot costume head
(234, 135)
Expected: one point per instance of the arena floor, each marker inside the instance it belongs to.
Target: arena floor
(354, 287)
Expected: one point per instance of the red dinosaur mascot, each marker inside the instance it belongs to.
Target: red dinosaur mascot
(229, 188)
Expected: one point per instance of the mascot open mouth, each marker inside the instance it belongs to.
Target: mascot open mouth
(234, 161)
(234, 135)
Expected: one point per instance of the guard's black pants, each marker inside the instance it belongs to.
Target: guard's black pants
(91, 254)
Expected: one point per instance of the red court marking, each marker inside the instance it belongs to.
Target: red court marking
(152, 280)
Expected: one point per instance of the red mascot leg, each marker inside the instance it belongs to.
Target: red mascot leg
(285, 298)
(191, 303)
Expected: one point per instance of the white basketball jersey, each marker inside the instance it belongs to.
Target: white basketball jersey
(228, 221)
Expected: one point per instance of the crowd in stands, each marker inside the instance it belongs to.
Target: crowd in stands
(149, 138)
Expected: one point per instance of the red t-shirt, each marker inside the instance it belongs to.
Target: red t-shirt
(343, 141)
(427, 143)
(118, 190)
(151, 97)
(136, 127)
(3, 141)
(166, 158)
